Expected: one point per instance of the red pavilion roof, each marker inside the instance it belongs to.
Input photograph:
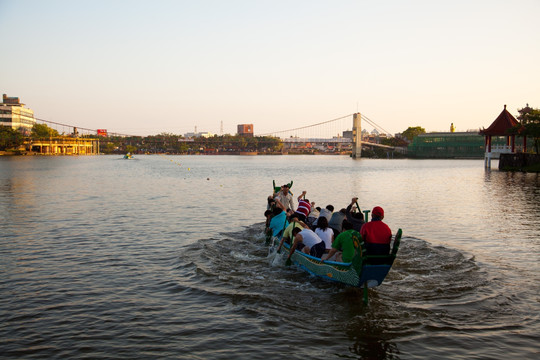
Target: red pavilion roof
(502, 123)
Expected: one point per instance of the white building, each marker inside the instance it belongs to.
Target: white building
(198, 134)
(15, 115)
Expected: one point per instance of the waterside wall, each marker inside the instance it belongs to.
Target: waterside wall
(518, 161)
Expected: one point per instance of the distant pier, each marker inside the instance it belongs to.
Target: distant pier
(63, 146)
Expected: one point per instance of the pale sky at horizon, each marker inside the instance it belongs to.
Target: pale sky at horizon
(146, 67)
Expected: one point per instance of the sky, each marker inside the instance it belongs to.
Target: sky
(148, 67)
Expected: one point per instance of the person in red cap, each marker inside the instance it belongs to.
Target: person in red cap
(376, 234)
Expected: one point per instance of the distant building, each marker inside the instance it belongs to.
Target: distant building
(245, 130)
(447, 145)
(348, 134)
(203, 134)
(15, 115)
(364, 134)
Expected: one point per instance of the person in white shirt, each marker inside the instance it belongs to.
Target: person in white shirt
(308, 242)
(326, 212)
(325, 233)
(285, 197)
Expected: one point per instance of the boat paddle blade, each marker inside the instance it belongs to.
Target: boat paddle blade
(288, 262)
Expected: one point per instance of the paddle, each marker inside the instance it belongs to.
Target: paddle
(291, 251)
(282, 232)
(366, 215)
(268, 236)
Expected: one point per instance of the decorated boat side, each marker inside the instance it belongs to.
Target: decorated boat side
(364, 271)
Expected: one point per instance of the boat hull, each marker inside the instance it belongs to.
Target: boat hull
(330, 270)
(364, 271)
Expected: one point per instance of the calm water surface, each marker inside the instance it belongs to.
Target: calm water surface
(163, 257)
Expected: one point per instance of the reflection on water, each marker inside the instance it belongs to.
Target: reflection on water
(18, 198)
(517, 196)
(163, 256)
(371, 338)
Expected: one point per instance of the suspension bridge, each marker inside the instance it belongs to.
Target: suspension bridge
(342, 132)
(350, 132)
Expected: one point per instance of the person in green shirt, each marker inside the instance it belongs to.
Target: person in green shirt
(345, 244)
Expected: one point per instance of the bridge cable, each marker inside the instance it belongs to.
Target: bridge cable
(375, 125)
(308, 126)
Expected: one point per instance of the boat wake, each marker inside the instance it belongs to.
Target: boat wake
(430, 291)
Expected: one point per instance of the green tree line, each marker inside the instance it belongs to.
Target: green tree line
(171, 143)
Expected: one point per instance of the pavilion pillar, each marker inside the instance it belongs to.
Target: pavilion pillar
(487, 156)
(513, 142)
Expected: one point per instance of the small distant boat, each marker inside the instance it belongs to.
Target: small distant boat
(128, 156)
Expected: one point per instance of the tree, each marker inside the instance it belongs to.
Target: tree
(393, 142)
(412, 132)
(242, 142)
(10, 138)
(523, 112)
(109, 148)
(43, 131)
(529, 126)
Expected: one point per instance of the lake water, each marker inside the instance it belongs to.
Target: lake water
(163, 257)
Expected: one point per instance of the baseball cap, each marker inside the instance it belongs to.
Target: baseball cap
(378, 211)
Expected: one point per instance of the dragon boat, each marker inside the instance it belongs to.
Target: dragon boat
(364, 271)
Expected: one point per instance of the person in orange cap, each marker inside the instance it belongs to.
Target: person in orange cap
(376, 234)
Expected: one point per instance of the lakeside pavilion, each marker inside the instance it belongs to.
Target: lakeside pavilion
(499, 128)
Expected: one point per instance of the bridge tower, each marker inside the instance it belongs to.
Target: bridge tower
(357, 136)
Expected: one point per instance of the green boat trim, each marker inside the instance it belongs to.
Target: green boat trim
(278, 188)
